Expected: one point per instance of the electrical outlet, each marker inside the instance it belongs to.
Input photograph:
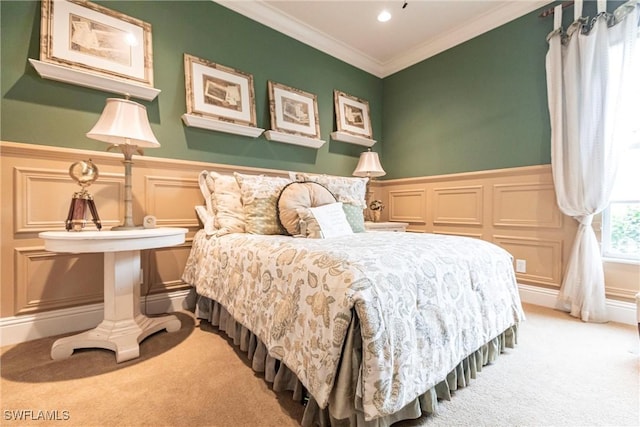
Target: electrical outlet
(521, 266)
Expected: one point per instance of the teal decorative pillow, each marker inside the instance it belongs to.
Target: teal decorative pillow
(355, 217)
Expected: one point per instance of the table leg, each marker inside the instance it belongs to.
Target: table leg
(123, 327)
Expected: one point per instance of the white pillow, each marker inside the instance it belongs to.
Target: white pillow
(332, 220)
(207, 220)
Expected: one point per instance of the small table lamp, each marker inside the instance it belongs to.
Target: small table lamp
(124, 124)
(369, 166)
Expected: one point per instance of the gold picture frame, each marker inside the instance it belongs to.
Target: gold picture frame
(86, 36)
(352, 115)
(293, 111)
(219, 92)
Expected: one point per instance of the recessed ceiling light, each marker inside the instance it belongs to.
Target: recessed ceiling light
(384, 16)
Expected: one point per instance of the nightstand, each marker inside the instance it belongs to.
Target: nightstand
(123, 327)
(386, 226)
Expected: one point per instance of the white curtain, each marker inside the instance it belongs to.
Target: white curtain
(591, 86)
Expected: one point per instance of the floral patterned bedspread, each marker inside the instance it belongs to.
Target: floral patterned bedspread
(424, 302)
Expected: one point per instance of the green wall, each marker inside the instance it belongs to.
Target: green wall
(481, 105)
(478, 106)
(40, 111)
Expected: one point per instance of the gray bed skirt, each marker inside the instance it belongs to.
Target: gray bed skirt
(344, 408)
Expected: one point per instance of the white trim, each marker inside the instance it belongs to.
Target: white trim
(352, 139)
(48, 70)
(17, 329)
(289, 138)
(221, 125)
(458, 35)
(272, 17)
(618, 311)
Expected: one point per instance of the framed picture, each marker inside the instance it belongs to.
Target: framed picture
(219, 92)
(352, 114)
(293, 111)
(86, 36)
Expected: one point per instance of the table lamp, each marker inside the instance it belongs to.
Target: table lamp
(125, 125)
(369, 166)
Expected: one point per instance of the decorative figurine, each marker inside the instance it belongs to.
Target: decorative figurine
(84, 173)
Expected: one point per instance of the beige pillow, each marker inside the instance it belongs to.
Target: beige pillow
(205, 189)
(309, 227)
(350, 190)
(297, 195)
(226, 203)
(259, 196)
(206, 213)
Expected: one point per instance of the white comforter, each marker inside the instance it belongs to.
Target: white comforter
(424, 302)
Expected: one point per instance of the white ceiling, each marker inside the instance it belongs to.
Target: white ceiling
(349, 30)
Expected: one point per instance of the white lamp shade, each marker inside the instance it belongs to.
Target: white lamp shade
(124, 122)
(369, 165)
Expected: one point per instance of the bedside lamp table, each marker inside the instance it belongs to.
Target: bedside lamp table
(123, 327)
(386, 226)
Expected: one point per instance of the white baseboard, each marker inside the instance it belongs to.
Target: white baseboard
(17, 329)
(618, 311)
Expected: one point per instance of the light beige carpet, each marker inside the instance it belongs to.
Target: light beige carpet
(562, 373)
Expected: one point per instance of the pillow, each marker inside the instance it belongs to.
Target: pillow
(206, 219)
(226, 204)
(300, 195)
(205, 189)
(350, 190)
(259, 196)
(355, 217)
(309, 227)
(330, 220)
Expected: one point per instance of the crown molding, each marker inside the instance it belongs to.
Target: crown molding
(464, 32)
(265, 14)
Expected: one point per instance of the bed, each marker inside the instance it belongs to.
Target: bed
(368, 328)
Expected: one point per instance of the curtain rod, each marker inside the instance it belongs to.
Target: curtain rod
(549, 11)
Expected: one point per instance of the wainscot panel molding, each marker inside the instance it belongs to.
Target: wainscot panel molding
(522, 205)
(459, 233)
(34, 188)
(46, 293)
(540, 256)
(36, 192)
(514, 208)
(408, 206)
(50, 281)
(457, 205)
(171, 200)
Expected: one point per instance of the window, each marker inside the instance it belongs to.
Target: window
(621, 220)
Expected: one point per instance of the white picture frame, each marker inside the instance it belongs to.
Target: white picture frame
(219, 92)
(293, 111)
(88, 37)
(352, 115)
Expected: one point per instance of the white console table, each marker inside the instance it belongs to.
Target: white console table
(123, 327)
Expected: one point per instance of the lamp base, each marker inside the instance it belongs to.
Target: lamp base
(127, 227)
